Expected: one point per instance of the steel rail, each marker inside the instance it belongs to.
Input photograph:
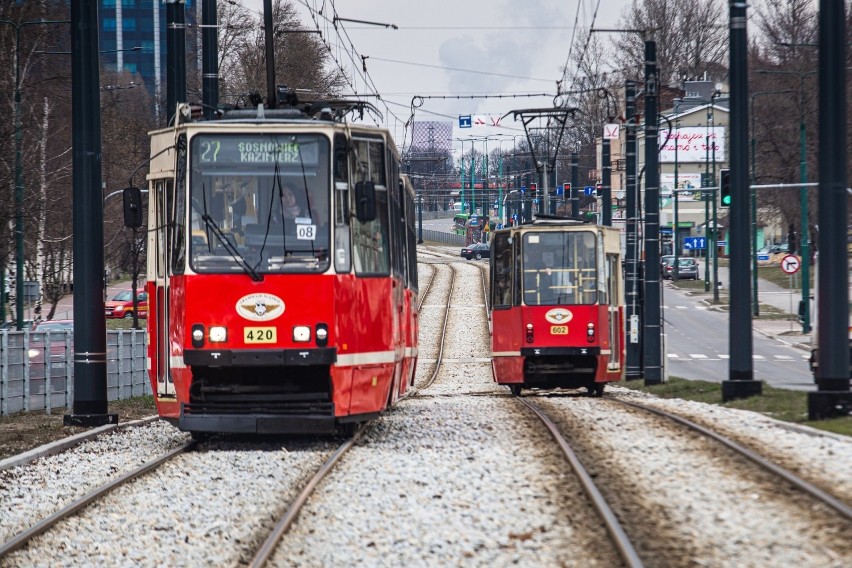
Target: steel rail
(442, 340)
(791, 478)
(283, 525)
(613, 527)
(22, 538)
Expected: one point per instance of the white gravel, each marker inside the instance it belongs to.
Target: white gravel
(460, 475)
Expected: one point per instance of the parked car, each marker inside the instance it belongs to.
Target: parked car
(687, 269)
(121, 306)
(477, 251)
(665, 263)
(60, 330)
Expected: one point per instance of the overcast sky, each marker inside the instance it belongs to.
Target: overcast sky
(460, 48)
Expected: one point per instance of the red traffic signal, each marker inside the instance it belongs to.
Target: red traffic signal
(566, 188)
(534, 188)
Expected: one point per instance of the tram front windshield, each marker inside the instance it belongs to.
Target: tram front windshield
(259, 203)
(559, 268)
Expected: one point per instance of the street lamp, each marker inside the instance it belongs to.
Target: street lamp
(461, 170)
(19, 174)
(716, 94)
(803, 196)
(755, 301)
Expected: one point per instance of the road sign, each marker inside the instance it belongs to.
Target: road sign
(465, 121)
(589, 190)
(694, 243)
(790, 264)
(762, 257)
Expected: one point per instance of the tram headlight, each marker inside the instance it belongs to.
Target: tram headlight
(197, 335)
(218, 334)
(321, 334)
(301, 333)
(529, 333)
(590, 332)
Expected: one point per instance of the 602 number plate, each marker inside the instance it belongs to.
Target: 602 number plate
(559, 330)
(260, 335)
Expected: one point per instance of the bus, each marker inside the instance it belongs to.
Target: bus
(460, 223)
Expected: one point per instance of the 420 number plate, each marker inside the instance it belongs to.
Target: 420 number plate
(260, 335)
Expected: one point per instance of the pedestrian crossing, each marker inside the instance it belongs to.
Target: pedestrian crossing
(721, 356)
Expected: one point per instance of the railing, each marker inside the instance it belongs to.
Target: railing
(37, 369)
(442, 237)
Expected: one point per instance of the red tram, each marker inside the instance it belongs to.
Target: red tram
(282, 276)
(556, 306)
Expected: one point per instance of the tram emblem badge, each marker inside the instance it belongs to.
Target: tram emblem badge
(558, 316)
(260, 307)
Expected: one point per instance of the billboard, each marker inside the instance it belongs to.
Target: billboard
(684, 181)
(693, 144)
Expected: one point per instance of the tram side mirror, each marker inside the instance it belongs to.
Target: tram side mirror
(132, 207)
(365, 201)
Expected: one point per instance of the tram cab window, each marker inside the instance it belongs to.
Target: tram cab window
(559, 268)
(260, 200)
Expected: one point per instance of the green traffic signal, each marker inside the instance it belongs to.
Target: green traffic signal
(725, 187)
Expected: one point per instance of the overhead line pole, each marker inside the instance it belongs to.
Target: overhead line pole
(740, 383)
(633, 308)
(652, 319)
(833, 396)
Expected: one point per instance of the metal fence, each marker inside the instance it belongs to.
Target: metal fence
(442, 237)
(37, 369)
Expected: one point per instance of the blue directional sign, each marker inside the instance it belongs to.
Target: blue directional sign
(523, 189)
(589, 190)
(694, 243)
(762, 257)
(465, 121)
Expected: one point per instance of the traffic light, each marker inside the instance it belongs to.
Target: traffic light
(534, 189)
(566, 189)
(725, 188)
(599, 188)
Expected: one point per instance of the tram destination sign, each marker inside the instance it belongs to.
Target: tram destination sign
(231, 149)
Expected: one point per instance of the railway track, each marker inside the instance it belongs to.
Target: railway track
(53, 519)
(460, 473)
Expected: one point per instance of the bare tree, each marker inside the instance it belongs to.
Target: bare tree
(691, 37)
(301, 59)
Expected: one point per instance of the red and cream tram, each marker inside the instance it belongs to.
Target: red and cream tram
(282, 277)
(556, 305)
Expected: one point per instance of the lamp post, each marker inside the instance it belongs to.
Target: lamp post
(19, 173)
(717, 93)
(803, 196)
(705, 183)
(675, 243)
(755, 301)
(461, 170)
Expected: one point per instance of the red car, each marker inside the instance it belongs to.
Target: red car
(121, 306)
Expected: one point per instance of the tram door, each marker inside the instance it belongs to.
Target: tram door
(613, 273)
(163, 202)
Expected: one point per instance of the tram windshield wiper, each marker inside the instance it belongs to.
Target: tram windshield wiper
(228, 246)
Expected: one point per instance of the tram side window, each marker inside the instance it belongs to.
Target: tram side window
(502, 297)
(370, 241)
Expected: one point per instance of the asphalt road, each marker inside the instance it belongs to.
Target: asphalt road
(697, 347)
